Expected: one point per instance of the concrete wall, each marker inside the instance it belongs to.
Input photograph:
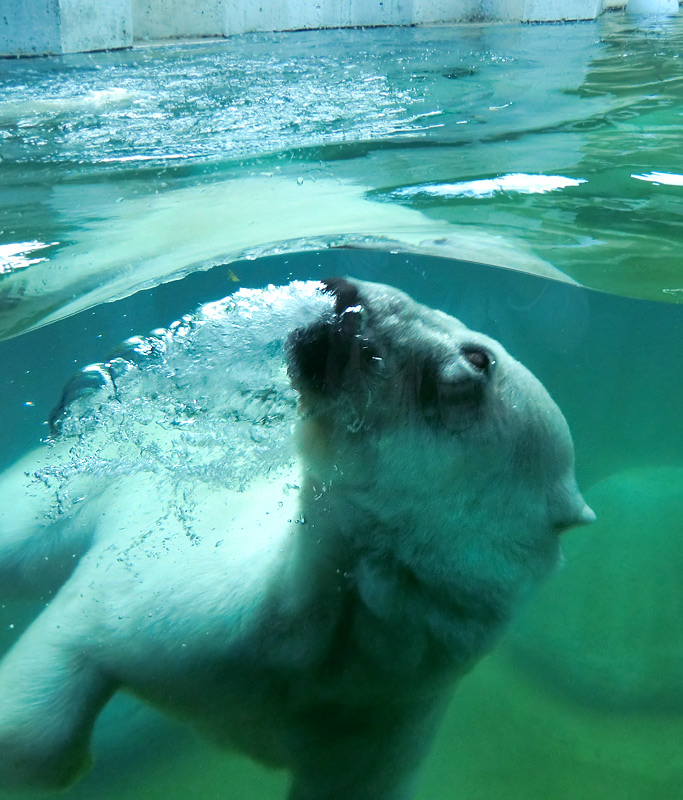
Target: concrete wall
(161, 19)
(167, 19)
(30, 27)
(298, 14)
(542, 10)
(95, 25)
(42, 27)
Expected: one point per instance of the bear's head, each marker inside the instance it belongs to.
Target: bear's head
(433, 436)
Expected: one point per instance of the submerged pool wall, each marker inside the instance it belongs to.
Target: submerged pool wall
(42, 27)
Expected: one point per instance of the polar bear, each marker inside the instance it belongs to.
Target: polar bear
(295, 519)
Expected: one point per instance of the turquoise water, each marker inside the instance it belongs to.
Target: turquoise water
(551, 149)
(539, 147)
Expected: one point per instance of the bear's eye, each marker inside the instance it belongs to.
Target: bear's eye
(452, 394)
(478, 357)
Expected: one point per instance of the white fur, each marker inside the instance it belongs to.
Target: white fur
(309, 605)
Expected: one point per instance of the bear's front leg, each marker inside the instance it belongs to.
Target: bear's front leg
(50, 697)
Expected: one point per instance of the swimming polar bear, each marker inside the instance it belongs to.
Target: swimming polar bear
(306, 596)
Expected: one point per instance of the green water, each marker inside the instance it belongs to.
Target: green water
(121, 170)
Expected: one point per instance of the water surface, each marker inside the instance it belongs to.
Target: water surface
(545, 148)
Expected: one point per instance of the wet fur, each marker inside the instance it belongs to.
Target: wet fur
(321, 616)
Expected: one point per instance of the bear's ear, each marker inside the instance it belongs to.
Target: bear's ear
(322, 354)
(346, 293)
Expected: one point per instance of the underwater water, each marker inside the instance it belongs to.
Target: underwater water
(415, 157)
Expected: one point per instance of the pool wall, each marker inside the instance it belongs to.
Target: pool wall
(40, 27)
(43, 27)
(172, 18)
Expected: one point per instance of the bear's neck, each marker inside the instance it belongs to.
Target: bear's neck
(378, 616)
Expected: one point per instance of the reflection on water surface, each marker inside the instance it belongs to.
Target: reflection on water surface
(114, 159)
